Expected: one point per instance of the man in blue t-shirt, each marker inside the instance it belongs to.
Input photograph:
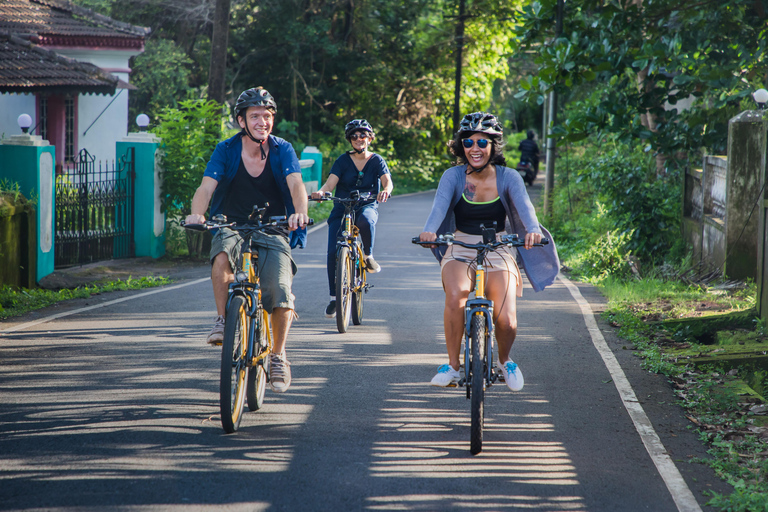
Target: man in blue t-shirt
(248, 169)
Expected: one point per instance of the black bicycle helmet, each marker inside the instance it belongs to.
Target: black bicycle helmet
(255, 97)
(356, 125)
(481, 122)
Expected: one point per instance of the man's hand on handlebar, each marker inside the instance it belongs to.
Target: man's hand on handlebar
(195, 218)
(298, 220)
(383, 196)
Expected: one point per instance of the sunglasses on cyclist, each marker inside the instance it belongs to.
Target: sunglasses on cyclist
(360, 136)
(481, 143)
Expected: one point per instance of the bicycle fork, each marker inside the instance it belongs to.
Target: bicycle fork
(480, 305)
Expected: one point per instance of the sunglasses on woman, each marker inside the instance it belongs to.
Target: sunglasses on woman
(361, 136)
(481, 143)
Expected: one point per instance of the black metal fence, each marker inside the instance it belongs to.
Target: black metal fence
(94, 210)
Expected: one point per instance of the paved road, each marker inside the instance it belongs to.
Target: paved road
(116, 408)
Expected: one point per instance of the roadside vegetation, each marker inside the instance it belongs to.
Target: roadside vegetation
(616, 222)
(15, 301)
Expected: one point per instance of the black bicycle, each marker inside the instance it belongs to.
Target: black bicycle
(247, 334)
(350, 262)
(479, 370)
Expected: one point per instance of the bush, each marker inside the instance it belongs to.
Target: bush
(189, 135)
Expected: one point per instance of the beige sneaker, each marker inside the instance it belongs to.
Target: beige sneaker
(216, 336)
(279, 373)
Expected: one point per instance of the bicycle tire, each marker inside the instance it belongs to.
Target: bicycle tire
(343, 288)
(234, 372)
(257, 377)
(357, 294)
(477, 334)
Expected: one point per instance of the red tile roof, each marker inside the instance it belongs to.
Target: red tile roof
(27, 68)
(62, 23)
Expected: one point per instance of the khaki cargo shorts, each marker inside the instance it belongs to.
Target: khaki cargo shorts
(274, 265)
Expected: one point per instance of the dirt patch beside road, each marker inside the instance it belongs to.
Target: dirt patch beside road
(122, 269)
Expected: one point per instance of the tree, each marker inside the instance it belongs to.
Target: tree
(647, 59)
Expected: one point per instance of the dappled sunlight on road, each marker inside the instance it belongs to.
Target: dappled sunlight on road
(417, 502)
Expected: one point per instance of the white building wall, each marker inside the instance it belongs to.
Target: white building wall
(11, 107)
(99, 134)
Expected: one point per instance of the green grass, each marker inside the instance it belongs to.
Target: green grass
(16, 302)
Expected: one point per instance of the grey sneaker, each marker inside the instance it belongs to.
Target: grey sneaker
(279, 373)
(330, 311)
(216, 335)
(373, 267)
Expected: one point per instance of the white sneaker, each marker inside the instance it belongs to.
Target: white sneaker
(512, 375)
(446, 376)
(371, 264)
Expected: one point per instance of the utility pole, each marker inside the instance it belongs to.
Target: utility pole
(218, 66)
(459, 50)
(551, 118)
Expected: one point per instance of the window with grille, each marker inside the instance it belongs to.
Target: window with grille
(69, 129)
(42, 123)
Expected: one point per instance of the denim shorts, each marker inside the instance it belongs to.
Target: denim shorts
(274, 265)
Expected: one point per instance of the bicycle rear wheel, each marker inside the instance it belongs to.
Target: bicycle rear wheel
(357, 294)
(234, 371)
(343, 288)
(257, 377)
(477, 335)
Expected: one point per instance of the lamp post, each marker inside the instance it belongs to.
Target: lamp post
(142, 121)
(24, 121)
(761, 98)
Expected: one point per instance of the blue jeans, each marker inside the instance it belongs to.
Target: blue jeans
(365, 220)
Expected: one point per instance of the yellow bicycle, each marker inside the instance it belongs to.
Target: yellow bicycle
(479, 371)
(247, 334)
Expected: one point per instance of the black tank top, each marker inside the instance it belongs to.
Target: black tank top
(470, 215)
(245, 191)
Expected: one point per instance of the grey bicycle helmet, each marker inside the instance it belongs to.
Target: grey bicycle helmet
(255, 97)
(357, 125)
(481, 122)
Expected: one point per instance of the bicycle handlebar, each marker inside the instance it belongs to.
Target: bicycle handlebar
(220, 221)
(510, 240)
(353, 199)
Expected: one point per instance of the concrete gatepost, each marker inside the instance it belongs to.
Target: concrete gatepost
(311, 168)
(28, 160)
(747, 135)
(149, 219)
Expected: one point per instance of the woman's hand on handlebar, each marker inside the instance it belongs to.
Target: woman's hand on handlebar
(427, 236)
(531, 239)
(195, 218)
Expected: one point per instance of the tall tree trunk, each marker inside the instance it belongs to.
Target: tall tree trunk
(459, 50)
(218, 67)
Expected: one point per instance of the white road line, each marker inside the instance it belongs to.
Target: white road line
(27, 325)
(679, 490)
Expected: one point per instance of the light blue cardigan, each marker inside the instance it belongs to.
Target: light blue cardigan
(541, 264)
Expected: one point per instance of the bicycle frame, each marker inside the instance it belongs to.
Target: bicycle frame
(349, 237)
(479, 305)
(246, 284)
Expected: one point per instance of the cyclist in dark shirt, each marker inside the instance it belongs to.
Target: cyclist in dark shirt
(529, 151)
(358, 169)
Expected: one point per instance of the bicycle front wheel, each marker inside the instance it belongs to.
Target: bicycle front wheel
(477, 334)
(257, 377)
(234, 371)
(343, 288)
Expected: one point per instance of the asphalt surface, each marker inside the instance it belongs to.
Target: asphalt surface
(116, 407)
